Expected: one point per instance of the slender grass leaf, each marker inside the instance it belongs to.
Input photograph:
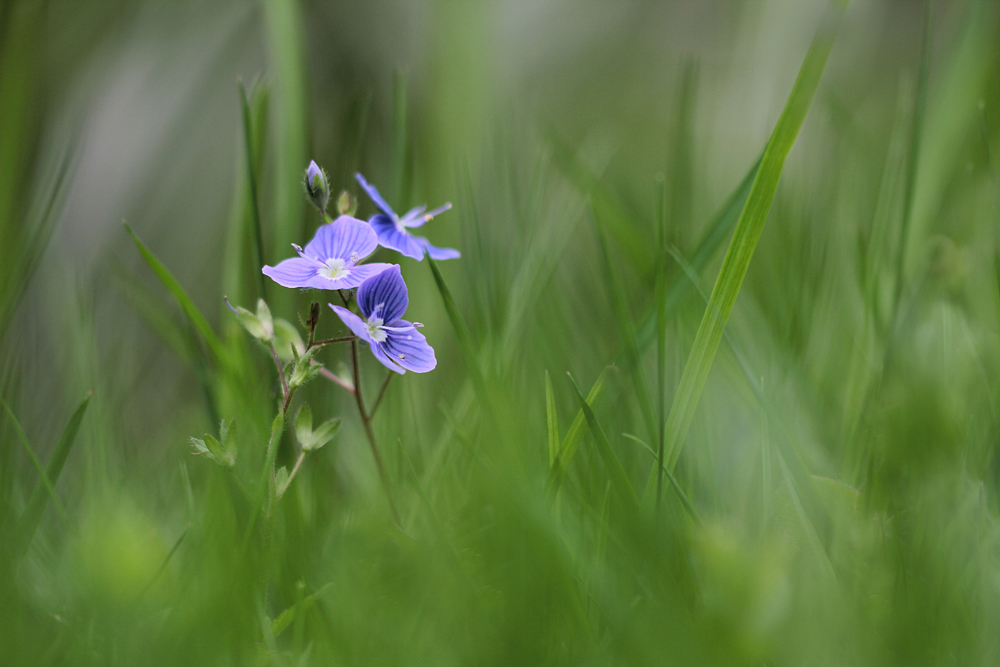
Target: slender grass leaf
(575, 433)
(620, 307)
(657, 462)
(257, 239)
(45, 487)
(744, 242)
(183, 300)
(43, 478)
(552, 420)
(619, 479)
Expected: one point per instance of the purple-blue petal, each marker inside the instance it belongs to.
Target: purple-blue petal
(294, 272)
(437, 253)
(418, 220)
(373, 193)
(341, 238)
(409, 349)
(353, 322)
(386, 289)
(389, 236)
(377, 350)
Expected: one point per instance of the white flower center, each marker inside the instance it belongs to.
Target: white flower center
(334, 269)
(375, 329)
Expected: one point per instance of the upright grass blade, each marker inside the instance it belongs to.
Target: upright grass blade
(45, 487)
(43, 478)
(619, 223)
(619, 480)
(461, 330)
(260, 491)
(575, 433)
(744, 241)
(552, 420)
(659, 293)
(913, 158)
(183, 300)
(657, 462)
(620, 307)
(257, 239)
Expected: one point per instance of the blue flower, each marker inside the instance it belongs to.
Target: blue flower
(392, 229)
(394, 341)
(330, 260)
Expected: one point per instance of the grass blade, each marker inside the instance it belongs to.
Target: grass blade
(251, 155)
(461, 329)
(575, 433)
(619, 479)
(657, 462)
(45, 488)
(552, 420)
(744, 242)
(43, 478)
(620, 307)
(183, 300)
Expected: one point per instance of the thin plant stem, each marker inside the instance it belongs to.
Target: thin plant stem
(330, 340)
(381, 393)
(367, 423)
(332, 377)
(291, 476)
(281, 374)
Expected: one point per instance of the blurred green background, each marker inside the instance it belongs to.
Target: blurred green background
(842, 465)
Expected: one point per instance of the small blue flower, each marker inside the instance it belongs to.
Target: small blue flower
(392, 229)
(330, 260)
(394, 341)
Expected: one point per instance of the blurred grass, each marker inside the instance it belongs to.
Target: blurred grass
(836, 498)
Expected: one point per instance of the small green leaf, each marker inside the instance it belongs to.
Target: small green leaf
(287, 341)
(553, 421)
(323, 434)
(304, 425)
(280, 481)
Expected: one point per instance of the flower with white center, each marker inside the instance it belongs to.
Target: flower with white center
(330, 260)
(393, 231)
(394, 341)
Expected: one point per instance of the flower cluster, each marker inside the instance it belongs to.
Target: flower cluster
(332, 261)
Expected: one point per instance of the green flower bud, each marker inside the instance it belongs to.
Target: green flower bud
(316, 186)
(346, 204)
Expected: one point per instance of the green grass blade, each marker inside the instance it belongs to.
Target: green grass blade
(257, 239)
(45, 487)
(400, 140)
(461, 330)
(657, 462)
(620, 307)
(619, 479)
(744, 242)
(718, 229)
(659, 292)
(620, 224)
(260, 491)
(575, 433)
(552, 420)
(43, 478)
(183, 300)
(913, 157)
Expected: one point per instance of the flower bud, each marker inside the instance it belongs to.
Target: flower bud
(346, 204)
(316, 186)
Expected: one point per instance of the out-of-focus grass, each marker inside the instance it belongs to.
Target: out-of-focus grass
(835, 500)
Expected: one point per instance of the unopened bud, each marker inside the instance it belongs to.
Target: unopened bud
(317, 187)
(346, 204)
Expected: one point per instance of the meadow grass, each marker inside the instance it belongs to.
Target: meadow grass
(668, 425)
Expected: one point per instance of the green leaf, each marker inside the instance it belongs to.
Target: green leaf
(619, 479)
(324, 434)
(45, 487)
(252, 158)
(183, 300)
(553, 422)
(744, 242)
(304, 425)
(575, 432)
